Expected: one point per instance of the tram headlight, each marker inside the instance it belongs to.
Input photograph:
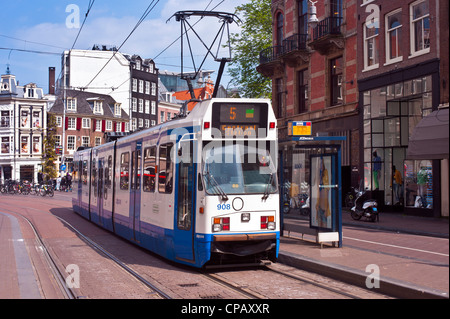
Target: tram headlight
(245, 217)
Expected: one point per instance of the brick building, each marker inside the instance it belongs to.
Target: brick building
(403, 78)
(89, 118)
(313, 72)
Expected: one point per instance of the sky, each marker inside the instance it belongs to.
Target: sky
(34, 34)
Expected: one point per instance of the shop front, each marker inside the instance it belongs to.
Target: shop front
(392, 107)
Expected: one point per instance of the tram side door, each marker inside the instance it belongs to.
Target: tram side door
(100, 185)
(135, 191)
(185, 203)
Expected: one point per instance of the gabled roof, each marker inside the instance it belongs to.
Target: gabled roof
(84, 104)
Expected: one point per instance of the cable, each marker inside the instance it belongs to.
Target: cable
(144, 15)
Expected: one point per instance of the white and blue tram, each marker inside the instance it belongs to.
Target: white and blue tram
(199, 190)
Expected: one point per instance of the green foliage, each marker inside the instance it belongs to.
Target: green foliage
(255, 36)
(48, 165)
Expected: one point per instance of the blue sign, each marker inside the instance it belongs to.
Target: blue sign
(63, 167)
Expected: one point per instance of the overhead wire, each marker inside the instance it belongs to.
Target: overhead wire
(149, 9)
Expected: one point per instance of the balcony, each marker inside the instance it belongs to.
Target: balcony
(269, 60)
(327, 35)
(295, 49)
(292, 49)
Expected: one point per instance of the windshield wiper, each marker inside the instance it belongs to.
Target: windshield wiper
(267, 190)
(216, 187)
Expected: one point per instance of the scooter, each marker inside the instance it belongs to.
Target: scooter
(365, 207)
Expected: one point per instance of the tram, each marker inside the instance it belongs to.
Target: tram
(200, 189)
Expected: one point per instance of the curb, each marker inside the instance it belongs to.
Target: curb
(388, 286)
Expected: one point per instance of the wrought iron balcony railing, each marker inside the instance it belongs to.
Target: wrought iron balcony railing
(330, 25)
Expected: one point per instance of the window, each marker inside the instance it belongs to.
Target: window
(134, 85)
(280, 22)
(147, 106)
(6, 146)
(71, 123)
(5, 119)
(133, 124)
(371, 45)
(71, 143)
(141, 86)
(57, 140)
(24, 148)
(149, 169)
(85, 141)
(393, 36)
(36, 119)
(279, 90)
(98, 125)
(134, 105)
(302, 91)
(303, 16)
(141, 122)
(71, 104)
(336, 81)
(161, 117)
(153, 107)
(119, 127)
(420, 27)
(147, 123)
(124, 170)
(98, 141)
(109, 125)
(117, 109)
(36, 144)
(59, 121)
(147, 87)
(165, 169)
(141, 106)
(98, 107)
(153, 88)
(86, 123)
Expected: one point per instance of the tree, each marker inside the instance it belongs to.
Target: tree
(48, 166)
(255, 36)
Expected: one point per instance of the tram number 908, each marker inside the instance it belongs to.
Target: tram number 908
(223, 207)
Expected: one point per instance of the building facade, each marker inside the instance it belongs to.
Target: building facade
(129, 79)
(88, 120)
(23, 111)
(144, 92)
(402, 78)
(313, 71)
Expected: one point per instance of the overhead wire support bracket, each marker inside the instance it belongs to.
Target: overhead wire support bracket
(227, 19)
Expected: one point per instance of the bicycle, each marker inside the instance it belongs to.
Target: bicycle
(46, 190)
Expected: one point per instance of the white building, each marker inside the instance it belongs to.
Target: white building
(23, 127)
(90, 70)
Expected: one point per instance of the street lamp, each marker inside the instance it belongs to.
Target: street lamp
(313, 21)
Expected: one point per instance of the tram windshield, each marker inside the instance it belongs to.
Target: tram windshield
(238, 168)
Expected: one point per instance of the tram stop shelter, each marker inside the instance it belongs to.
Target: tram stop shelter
(314, 174)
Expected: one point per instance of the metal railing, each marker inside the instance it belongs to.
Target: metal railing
(330, 25)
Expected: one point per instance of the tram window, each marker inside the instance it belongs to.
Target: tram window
(94, 179)
(124, 170)
(149, 169)
(108, 171)
(165, 180)
(84, 176)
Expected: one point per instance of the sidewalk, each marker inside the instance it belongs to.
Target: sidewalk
(399, 276)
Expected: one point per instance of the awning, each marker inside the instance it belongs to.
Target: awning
(429, 139)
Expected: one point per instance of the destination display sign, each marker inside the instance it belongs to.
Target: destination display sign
(240, 119)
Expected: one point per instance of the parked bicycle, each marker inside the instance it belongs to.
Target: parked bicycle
(47, 189)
